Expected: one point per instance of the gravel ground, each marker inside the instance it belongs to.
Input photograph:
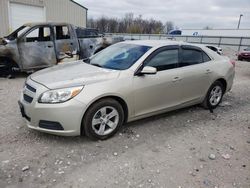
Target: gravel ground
(187, 148)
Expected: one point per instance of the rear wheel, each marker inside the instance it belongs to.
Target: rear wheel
(214, 95)
(103, 119)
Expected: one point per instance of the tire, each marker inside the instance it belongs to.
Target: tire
(216, 91)
(239, 59)
(97, 123)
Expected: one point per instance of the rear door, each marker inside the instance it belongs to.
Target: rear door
(90, 42)
(36, 48)
(194, 72)
(67, 47)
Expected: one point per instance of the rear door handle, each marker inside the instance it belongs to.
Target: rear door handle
(176, 79)
(208, 71)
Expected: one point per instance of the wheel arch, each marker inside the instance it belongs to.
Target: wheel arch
(117, 98)
(11, 60)
(224, 83)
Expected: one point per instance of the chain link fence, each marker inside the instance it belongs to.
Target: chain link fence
(235, 43)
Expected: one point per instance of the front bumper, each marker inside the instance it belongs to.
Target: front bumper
(68, 115)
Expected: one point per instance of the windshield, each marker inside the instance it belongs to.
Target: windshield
(18, 32)
(119, 56)
(247, 49)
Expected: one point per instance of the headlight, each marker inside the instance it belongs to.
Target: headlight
(59, 95)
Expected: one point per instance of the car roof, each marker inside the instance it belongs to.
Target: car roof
(45, 23)
(161, 43)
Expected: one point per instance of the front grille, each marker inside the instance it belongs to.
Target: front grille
(27, 98)
(29, 92)
(30, 88)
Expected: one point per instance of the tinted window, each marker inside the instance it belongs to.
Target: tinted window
(175, 32)
(212, 48)
(206, 58)
(191, 57)
(164, 60)
(86, 33)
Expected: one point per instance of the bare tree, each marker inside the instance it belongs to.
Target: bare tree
(168, 26)
(128, 24)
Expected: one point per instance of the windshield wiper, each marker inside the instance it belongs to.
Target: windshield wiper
(97, 65)
(86, 60)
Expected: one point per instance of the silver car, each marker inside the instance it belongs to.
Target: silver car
(125, 82)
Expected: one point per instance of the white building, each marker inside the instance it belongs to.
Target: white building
(14, 13)
(217, 32)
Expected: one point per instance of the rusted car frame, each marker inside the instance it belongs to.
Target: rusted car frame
(38, 45)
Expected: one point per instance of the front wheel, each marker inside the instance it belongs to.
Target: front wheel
(103, 119)
(214, 95)
(6, 68)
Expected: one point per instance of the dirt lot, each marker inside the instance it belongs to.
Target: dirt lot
(188, 148)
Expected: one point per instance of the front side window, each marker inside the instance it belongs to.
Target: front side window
(190, 57)
(167, 59)
(41, 34)
(119, 56)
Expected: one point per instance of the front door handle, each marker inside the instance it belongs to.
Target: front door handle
(176, 79)
(49, 46)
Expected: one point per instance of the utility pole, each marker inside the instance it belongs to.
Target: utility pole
(239, 21)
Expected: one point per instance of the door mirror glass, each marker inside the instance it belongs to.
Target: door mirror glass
(148, 70)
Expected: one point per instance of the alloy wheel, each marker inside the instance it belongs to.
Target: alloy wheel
(105, 120)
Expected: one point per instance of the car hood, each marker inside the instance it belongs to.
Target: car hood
(72, 74)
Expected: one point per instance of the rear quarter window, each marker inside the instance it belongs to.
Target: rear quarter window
(206, 58)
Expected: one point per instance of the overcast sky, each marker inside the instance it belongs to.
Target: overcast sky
(184, 13)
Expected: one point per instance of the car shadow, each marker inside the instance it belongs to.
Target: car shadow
(129, 129)
(184, 116)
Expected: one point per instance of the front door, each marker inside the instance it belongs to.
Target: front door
(36, 48)
(160, 91)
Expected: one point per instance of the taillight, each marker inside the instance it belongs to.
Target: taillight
(232, 62)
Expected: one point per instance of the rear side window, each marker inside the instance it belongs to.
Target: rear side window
(86, 33)
(167, 59)
(191, 57)
(62, 32)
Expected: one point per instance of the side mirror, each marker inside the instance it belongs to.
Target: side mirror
(148, 70)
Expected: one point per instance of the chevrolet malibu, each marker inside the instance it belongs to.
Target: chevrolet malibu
(125, 82)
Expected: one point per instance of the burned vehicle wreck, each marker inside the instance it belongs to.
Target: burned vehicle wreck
(39, 45)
